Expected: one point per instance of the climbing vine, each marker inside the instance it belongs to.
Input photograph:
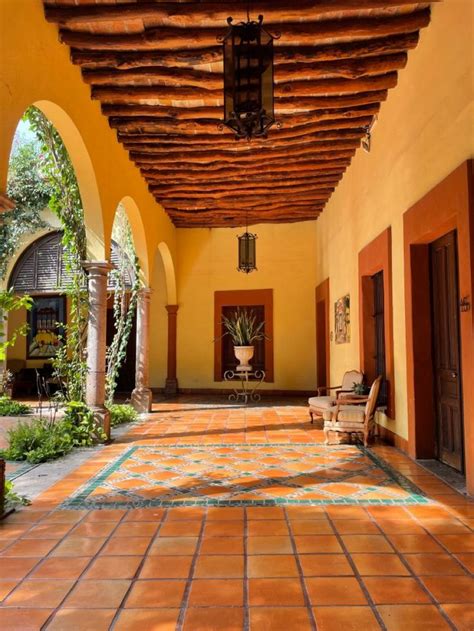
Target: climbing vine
(125, 301)
(65, 202)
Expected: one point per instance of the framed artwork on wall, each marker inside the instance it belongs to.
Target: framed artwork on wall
(45, 332)
(342, 320)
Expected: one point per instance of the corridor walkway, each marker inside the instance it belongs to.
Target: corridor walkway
(211, 517)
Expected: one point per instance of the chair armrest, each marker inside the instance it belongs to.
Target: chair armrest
(340, 391)
(326, 389)
(353, 401)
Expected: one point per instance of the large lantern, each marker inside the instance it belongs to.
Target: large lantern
(248, 79)
(247, 252)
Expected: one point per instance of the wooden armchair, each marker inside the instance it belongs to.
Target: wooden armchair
(347, 419)
(325, 400)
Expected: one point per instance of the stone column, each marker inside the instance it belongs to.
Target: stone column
(171, 386)
(142, 395)
(96, 340)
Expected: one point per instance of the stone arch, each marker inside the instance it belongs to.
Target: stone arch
(85, 175)
(170, 274)
(139, 235)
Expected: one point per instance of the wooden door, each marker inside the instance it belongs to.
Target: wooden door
(446, 351)
(321, 337)
(379, 336)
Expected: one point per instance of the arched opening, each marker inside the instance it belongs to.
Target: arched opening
(134, 217)
(126, 278)
(85, 175)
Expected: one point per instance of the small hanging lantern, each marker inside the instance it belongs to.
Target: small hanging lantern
(247, 252)
(248, 79)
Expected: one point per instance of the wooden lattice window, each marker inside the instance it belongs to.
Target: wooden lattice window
(41, 268)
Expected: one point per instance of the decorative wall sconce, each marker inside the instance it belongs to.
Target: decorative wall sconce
(367, 139)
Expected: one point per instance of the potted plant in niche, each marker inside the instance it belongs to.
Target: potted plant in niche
(243, 328)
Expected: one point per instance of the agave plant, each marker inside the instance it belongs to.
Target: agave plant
(243, 328)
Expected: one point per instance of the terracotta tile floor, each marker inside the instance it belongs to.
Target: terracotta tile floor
(361, 564)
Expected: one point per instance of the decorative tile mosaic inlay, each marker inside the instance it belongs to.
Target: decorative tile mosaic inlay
(240, 475)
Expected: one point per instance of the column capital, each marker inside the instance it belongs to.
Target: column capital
(172, 309)
(145, 293)
(97, 268)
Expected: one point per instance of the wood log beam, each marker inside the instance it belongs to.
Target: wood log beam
(209, 128)
(222, 193)
(127, 60)
(303, 33)
(279, 134)
(244, 202)
(253, 216)
(233, 183)
(232, 222)
(288, 189)
(311, 165)
(150, 94)
(231, 163)
(283, 105)
(286, 120)
(252, 156)
(344, 69)
(232, 146)
(208, 13)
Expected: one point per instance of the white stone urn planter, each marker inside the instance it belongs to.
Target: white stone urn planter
(244, 354)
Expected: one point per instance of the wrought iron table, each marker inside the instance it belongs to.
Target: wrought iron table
(250, 381)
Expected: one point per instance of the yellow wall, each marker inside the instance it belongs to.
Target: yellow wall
(425, 130)
(286, 260)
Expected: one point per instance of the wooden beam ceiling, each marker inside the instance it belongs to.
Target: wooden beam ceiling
(156, 69)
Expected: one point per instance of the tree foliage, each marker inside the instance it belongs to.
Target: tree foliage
(28, 188)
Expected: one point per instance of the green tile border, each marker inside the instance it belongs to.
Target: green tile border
(23, 468)
(79, 499)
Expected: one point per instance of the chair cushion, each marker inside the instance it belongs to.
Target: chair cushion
(322, 403)
(348, 413)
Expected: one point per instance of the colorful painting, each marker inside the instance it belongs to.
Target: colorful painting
(342, 325)
(45, 330)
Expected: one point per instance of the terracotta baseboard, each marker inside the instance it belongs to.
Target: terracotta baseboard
(393, 439)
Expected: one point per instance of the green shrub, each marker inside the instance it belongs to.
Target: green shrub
(122, 414)
(12, 499)
(38, 441)
(42, 439)
(12, 408)
(80, 423)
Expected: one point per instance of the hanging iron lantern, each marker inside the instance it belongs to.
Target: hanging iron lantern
(247, 252)
(248, 79)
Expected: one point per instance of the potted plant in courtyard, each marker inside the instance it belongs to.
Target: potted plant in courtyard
(244, 330)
